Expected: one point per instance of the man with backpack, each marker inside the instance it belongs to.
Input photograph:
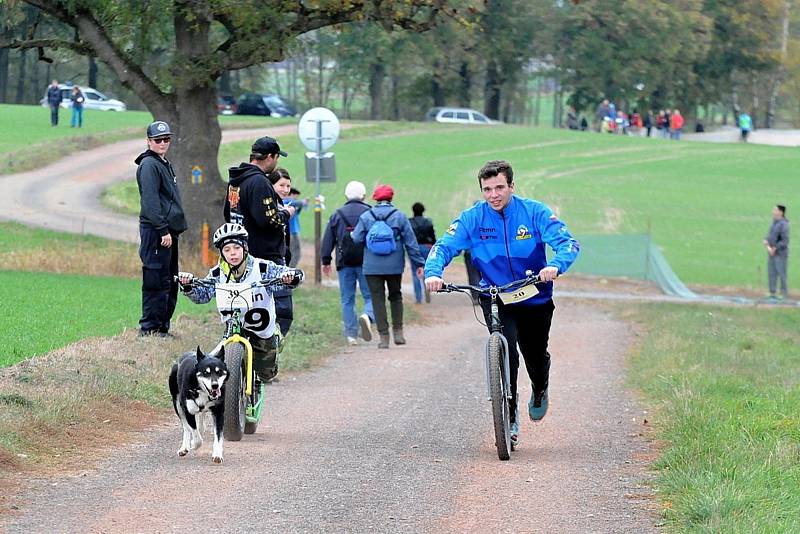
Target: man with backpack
(349, 259)
(387, 233)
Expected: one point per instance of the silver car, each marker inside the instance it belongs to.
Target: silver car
(458, 116)
(92, 99)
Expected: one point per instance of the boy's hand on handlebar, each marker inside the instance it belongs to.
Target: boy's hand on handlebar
(433, 283)
(548, 274)
(185, 279)
(288, 278)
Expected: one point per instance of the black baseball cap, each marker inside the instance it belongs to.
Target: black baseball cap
(158, 129)
(267, 145)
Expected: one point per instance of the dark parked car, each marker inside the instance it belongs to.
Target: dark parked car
(261, 104)
(226, 105)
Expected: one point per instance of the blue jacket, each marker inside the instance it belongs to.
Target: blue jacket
(505, 244)
(394, 262)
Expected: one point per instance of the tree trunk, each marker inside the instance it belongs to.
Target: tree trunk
(777, 79)
(437, 89)
(537, 103)
(377, 71)
(395, 96)
(23, 59)
(225, 83)
(5, 33)
(465, 85)
(195, 111)
(491, 105)
(92, 78)
(36, 84)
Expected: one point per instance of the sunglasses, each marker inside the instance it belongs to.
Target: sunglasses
(159, 140)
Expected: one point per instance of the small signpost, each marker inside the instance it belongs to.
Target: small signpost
(318, 131)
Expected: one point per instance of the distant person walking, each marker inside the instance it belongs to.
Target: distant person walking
(426, 238)
(648, 122)
(54, 101)
(349, 262)
(387, 233)
(77, 107)
(161, 221)
(675, 125)
(745, 125)
(777, 245)
(572, 119)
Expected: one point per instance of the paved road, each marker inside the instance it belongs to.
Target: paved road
(390, 441)
(65, 196)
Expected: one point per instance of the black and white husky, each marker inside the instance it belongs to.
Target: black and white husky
(197, 384)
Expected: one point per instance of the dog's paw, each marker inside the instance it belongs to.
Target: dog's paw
(216, 459)
(183, 452)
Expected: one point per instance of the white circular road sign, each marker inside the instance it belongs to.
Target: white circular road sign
(307, 128)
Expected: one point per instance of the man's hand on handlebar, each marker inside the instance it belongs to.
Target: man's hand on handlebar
(433, 283)
(548, 274)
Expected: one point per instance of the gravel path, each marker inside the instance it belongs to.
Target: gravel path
(65, 195)
(390, 441)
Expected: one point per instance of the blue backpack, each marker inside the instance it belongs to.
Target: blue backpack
(380, 238)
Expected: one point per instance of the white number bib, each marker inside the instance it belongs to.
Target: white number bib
(254, 303)
(518, 295)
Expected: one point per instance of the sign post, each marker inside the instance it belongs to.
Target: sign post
(318, 131)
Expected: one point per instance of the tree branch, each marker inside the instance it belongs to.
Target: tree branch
(79, 47)
(99, 44)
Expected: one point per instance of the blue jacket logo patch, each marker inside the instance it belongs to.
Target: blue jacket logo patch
(523, 233)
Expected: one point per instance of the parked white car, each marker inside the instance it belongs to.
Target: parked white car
(93, 99)
(458, 116)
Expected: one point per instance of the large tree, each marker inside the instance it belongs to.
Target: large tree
(171, 52)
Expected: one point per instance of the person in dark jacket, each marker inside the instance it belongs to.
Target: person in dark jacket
(54, 101)
(77, 107)
(349, 261)
(777, 245)
(252, 202)
(161, 221)
(426, 237)
(387, 270)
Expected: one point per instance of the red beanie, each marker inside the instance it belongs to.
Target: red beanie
(383, 192)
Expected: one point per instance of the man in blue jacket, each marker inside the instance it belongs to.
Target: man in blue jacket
(506, 236)
(382, 268)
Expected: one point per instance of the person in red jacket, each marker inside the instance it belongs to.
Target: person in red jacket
(675, 125)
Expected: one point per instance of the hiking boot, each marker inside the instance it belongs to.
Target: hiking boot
(514, 434)
(365, 325)
(399, 339)
(537, 406)
(351, 341)
(384, 342)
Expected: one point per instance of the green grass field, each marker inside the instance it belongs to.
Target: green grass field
(47, 311)
(726, 385)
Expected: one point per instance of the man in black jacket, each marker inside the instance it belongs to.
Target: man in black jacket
(54, 101)
(161, 220)
(349, 258)
(252, 202)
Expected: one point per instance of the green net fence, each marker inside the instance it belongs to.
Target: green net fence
(631, 256)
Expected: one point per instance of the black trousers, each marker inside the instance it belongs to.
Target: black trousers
(53, 115)
(527, 330)
(376, 282)
(159, 289)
